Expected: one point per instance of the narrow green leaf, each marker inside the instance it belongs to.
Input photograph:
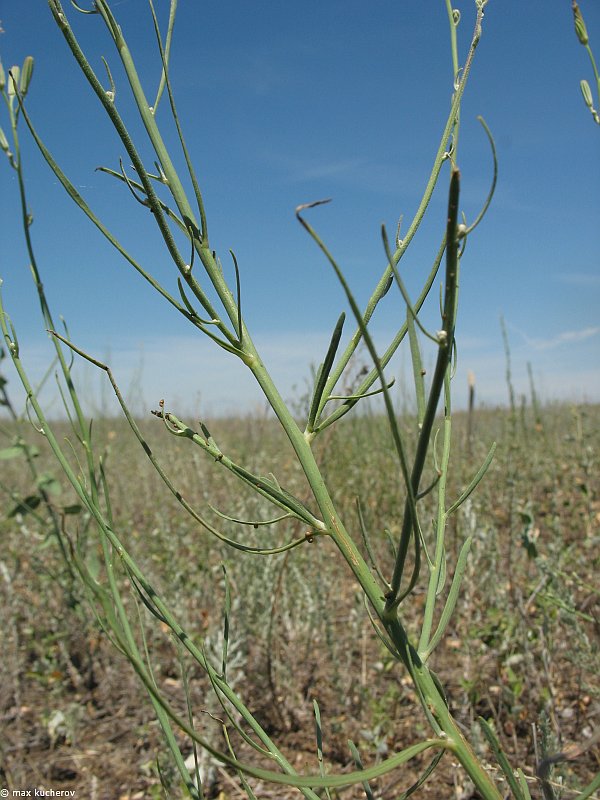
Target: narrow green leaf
(319, 730)
(373, 375)
(400, 283)
(323, 373)
(226, 615)
(464, 231)
(359, 765)
(502, 760)
(348, 398)
(254, 523)
(473, 485)
(279, 496)
(523, 784)
(423, 777)
(452, 598)
(79, 201)
(411, 510)
(367, 542)
(442, 574)
(239, 326)
(243, 781)
(319, 735)
(387, 643)
(112, 92)
(164, 54)
(590, 789)
(417, 365)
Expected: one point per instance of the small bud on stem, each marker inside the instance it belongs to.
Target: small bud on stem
(580, 28)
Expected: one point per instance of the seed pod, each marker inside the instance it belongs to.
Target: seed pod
(2, 77)
(13, 80)
(580, 28)
(4, 142)
(26, 75)
(587, 94)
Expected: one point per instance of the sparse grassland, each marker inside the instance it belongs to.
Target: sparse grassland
(337, 613)
(522, 651)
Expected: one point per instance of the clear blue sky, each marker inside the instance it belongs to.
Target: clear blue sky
(284, 103)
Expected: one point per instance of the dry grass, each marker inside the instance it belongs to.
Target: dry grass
(522, 651)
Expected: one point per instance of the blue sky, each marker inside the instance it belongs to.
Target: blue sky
(284, 103)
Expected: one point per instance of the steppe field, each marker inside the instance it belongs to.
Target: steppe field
(522, 650)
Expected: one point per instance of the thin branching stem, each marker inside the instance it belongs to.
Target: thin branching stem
(442, 154)
(318, 514)
(445, 338)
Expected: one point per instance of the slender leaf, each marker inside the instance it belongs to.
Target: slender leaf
(417, 365)
(515, 786)
(359, 765)
(422, 778)
(451, 599)
(523, 784)
(319, 736)
(323, 373)
(589, 790)
(473, 484)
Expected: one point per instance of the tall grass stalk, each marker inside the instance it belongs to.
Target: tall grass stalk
(214, 308)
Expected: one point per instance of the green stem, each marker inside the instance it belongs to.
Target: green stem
(427, 687)
(153, 201)
(174, 182)
(440, 715)
(440, 157)
(385, 608)
(446, 339)
(435, 581)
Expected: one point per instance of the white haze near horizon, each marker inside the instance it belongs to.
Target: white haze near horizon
(194, 376)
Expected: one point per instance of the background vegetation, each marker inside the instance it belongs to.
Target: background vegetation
(98, 565)
(522, 651)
